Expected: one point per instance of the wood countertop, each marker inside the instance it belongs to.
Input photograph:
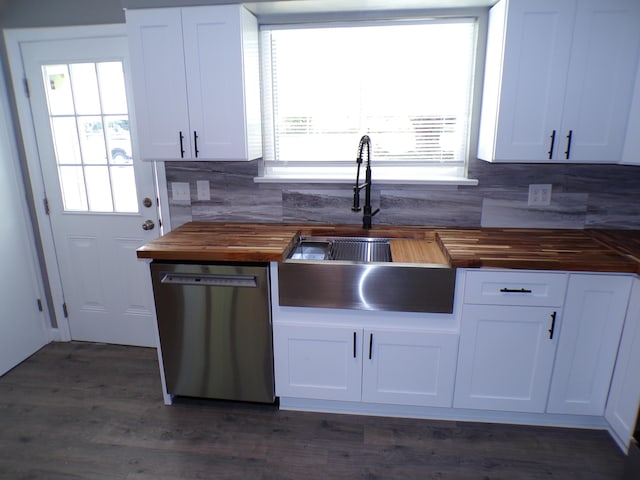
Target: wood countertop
(222, 242)
(536, 249)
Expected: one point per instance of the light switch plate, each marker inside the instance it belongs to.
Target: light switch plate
(539, 194)
(180, 191)
(204, 192)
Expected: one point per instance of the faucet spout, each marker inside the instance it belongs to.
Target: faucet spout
(365, 143)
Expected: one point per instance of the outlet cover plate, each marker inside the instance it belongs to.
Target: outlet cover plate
(539, 194)
(204, 192)
(180, 191)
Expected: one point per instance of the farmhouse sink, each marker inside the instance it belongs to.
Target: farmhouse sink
(342, 249)
(361, 274)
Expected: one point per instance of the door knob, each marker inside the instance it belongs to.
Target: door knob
(148, 225)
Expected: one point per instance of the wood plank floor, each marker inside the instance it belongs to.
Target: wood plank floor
(87, 411)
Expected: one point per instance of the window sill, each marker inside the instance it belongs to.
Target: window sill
(376, 180)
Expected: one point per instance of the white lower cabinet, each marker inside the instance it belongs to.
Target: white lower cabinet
(321, 362)
(624, 395)
(370, 365)
(506, 357)
(409, 368)
(592, 322)
(530, 342)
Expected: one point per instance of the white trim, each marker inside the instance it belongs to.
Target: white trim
(13, 39)
(440, 413)
(163, 194)
(302, 179)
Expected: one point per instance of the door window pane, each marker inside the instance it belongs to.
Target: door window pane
(90, 128)
(58, 88)
(65, 139)
(98, 188)
(85, 88)
(92, 140)
(124, 189)
(74, 195)
(114, 98)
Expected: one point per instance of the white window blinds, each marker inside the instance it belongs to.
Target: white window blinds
(405, 84)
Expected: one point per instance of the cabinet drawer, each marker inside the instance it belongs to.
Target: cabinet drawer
(515, 288)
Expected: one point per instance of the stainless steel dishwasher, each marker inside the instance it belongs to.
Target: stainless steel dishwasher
(215, 330)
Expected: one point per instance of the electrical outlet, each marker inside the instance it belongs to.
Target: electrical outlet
(204, 193)
(539, 194)
(180, 191)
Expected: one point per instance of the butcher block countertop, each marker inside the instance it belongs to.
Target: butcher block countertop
(535, 249)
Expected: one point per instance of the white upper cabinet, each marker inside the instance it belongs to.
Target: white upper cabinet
(631, 154)
(559, 76)
(196, 82)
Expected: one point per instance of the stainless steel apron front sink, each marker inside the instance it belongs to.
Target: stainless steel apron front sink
(359, 273)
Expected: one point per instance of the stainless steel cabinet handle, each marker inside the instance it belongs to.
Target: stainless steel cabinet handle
(148, 225)
(195, 142)
(370, 344)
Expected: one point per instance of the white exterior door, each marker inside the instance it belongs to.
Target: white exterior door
(22, 325)
(99, 195)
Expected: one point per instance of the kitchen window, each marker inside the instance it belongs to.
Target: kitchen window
(407, 84)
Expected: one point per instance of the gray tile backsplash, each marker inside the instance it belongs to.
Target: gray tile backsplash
(583, 196)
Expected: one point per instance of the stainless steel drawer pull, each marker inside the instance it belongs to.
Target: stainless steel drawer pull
(211, 280)
(515, 290)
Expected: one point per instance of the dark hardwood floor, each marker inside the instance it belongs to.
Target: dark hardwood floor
(87, 411)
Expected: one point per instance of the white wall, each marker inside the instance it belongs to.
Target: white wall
(22, 325)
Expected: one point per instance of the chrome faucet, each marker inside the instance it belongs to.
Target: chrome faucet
(365, 142)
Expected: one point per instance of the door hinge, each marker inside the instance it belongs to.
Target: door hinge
(64, 310)
(46, 205)
(26, 87)
(40, 307)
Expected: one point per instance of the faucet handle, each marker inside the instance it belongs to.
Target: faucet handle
(356, 200)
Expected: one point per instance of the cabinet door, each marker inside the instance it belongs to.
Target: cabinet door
(624, 396)
(213, 57)
(159, 83)
(527, 59)
(410, 368)
(594, 313)
(506, 358)
(321, 362)
(631, 153)
(606, 46)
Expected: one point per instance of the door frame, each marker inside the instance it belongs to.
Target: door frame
(13, 40)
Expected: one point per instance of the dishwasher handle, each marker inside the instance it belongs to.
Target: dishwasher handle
(210, 280)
